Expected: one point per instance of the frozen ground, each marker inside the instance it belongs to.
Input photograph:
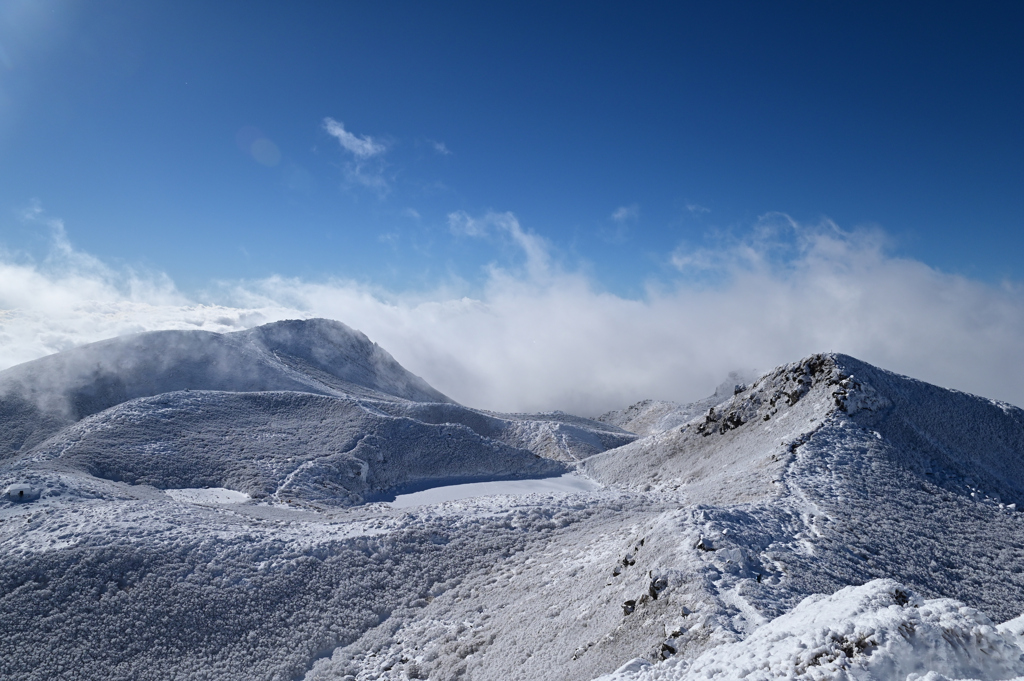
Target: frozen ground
(829, 520)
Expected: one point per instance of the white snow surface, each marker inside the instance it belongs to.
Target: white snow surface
(207, 495)
(829, 520)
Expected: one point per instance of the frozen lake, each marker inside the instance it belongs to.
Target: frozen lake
(207, 495)
(564, 484)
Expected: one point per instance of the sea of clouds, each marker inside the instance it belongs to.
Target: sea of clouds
(545, 337)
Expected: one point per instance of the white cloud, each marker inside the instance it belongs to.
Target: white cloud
(440, 148)
(367, 168)
(626, 214)
(360, 147)
(71, 297)
(546, 338)
(461, 224)
(624, 217)
(534, 247)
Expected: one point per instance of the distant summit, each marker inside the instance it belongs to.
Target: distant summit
(649, 417)
(340, 358)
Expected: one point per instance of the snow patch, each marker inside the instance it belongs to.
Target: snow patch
(207, 495)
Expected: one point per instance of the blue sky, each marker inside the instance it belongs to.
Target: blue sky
(122, 118)
(411, 148)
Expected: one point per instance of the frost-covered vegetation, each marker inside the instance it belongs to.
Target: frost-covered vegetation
(875, 631)
(203, 506)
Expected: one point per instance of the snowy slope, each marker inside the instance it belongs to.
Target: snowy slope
(698, 556)
(305, 410)
(318, 356)
(685, 564)
(248, 565)
(284, 445)
(553, 435)
(848, 473)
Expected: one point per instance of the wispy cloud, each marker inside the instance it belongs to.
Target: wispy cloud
(360, 147)
(71, 297)
(461, 224)
(546, 338)
(626, 214)
(367, 167)
(440, 148)
(623, 218)
(370, 177)
(534, 246)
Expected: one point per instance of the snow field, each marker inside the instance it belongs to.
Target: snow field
(145, 591)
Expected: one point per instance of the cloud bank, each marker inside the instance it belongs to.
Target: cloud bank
(539, 337)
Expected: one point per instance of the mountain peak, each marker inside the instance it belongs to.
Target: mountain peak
(317, 356)
(339, 357)
(958, 441)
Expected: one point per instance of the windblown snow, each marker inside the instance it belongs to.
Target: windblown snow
(288, 502)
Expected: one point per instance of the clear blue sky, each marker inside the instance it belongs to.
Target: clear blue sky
(190, 137)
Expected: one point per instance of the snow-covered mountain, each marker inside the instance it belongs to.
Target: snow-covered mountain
(317, 356)
(649, 417)
(297, 411)
(813, 523)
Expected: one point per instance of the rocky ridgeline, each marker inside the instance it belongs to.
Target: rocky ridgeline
(787, 385)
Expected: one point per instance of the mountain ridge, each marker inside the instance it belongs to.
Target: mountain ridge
(826, 498)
